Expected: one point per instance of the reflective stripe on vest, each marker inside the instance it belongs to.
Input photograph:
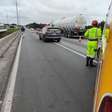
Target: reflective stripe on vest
(94, 39)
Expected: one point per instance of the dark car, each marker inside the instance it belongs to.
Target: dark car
(22, 29)
(50, 33)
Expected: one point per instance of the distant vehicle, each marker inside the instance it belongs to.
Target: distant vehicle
(72, 26)
(22, 29)
(50, 33)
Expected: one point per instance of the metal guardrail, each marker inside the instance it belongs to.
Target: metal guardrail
(9, 43)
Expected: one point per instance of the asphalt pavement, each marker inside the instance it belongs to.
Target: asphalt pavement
(75, 44)
(52, 79)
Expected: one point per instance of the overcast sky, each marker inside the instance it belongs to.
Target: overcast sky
(51, 10)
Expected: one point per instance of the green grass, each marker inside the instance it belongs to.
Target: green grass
(9, 31)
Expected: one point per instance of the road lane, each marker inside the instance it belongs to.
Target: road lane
(75, 44)
(78, 42)
(51, 79)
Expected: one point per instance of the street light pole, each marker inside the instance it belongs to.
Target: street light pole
(7, 17)
(17, 12)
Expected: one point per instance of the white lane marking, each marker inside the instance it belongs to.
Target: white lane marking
(73, 51)
(8, 100)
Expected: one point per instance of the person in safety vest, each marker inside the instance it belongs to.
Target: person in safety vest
(93, 35)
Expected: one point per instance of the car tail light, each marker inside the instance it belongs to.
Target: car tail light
(106, 105)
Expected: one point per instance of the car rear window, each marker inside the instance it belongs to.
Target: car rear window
(51, 30)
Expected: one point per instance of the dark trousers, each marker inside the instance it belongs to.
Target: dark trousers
(89, 61)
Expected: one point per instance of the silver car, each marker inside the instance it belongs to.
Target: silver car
(50, 33)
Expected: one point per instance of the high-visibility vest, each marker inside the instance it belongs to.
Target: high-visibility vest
(93, 33)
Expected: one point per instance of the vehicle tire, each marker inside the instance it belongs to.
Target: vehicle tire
(58, 40)
(40, 38)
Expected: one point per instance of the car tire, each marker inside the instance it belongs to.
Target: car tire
(58, 40)
(40, 38)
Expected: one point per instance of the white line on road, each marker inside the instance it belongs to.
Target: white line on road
(73, 51)
(8, 100)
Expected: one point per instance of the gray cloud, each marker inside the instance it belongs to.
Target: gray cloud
(50, 10)
(4, 3)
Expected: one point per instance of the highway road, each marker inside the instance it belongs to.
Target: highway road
(51, 78)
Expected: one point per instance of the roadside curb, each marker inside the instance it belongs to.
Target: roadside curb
(7, 102)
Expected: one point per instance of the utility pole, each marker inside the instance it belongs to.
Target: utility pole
(17, 12)
(7, 18)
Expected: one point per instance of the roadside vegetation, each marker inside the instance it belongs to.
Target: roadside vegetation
(35, 25)
(9, 31)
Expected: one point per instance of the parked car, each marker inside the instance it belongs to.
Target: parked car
(50, 33)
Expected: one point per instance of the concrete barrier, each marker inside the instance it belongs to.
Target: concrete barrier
(4, 40)
(6, 61)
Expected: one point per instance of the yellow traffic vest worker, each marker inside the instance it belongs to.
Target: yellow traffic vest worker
(93, 35)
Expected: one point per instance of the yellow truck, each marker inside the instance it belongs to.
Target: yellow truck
(103, 90)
